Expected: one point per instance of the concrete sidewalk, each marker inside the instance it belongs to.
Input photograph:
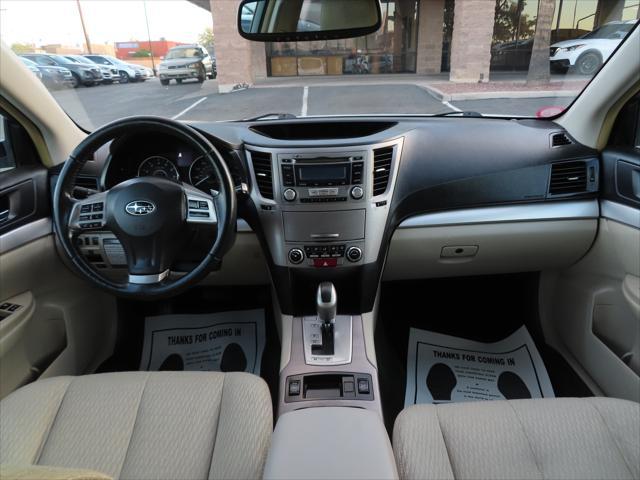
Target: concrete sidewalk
(501, 85)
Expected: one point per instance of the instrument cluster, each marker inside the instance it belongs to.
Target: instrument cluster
(167, 158)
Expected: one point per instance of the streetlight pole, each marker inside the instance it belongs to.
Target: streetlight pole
(84, 27)
(146, 19)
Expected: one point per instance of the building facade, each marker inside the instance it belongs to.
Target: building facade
(463, 39)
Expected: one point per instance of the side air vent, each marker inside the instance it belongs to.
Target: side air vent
(568, 177)
(560, 140)
(90, 183)
(264, 174)
(84, 186)
(381, 169)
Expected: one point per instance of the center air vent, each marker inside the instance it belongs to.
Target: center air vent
(382, 158)
(264, 174)
(560, 139)
(568, 177)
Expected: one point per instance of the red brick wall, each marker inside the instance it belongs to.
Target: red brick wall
(159, 48)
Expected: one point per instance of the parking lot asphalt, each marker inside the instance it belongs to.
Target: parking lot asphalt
(96, 106)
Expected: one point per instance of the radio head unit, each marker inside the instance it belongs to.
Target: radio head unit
(310, 178)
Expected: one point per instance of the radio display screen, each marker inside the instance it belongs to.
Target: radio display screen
(323, 174)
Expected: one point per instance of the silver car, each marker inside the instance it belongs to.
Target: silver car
(187, 62)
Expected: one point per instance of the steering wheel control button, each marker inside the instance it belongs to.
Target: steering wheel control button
(97, 207)
(296, 256)
(200, 210)
(85, 209)
(354, 254)
(357, 193)
(289, 194)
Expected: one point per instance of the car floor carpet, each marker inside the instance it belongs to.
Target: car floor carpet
(483, 309)
(128, 352)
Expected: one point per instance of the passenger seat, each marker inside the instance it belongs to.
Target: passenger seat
(586, 438)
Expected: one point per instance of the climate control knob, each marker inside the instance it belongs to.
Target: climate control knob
(354, 254)
(296, 256)
(289, 194)
(357, 193)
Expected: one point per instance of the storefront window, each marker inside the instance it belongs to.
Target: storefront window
(392, 49)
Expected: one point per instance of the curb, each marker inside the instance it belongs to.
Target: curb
(452, 97)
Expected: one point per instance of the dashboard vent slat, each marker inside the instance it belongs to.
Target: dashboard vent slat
(382, 158)
(560, 140)
(568, 177)
(264, 173)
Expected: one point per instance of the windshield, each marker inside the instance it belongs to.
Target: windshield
(504, 58)
(611, 32)
(184, 53)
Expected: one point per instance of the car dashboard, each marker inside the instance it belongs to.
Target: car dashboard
(362, 199)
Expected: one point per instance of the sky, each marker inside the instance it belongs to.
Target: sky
(44, 22)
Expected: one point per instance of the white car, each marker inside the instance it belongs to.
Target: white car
(127, 72)
(586, 54)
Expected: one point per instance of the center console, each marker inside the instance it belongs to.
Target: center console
(329, 361)
(329, 405)
(324, 208)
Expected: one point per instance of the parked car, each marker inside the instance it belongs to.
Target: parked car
(82, 74)
(127, 72)
(587, 53)
(54, 77)
(32, 66)
(187, 62)
(109, 74)
(514, 55)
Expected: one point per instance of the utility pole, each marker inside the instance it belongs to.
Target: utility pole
(146, 19)
(84, 27)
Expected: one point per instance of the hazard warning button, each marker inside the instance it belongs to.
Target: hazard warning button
(325, 262)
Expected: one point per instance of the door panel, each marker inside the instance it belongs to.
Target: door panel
(591, 311)
(51, 322)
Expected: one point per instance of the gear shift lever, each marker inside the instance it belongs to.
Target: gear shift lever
(326, 306)
(327, 303)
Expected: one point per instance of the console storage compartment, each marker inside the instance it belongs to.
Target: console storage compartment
(330, 443)
(324, 226)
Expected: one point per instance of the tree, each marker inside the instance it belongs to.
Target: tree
(206, 39)
(510, 23)
(20, 48)
(142, 53)
(539, 71)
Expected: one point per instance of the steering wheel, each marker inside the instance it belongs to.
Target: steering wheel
(148, 215)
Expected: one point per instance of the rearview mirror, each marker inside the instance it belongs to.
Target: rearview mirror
(300, 20)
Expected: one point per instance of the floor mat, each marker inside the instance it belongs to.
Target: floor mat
(445, 369)
(227, 341)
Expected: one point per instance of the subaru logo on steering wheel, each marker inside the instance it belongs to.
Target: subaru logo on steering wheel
(139, 207)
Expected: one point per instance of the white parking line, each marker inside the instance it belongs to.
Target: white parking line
(193, 105)
(305, 102)
(452, 107)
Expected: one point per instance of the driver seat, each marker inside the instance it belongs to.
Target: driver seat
(191, 425)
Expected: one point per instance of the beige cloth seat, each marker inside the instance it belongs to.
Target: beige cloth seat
(586, 438)
(191, 425)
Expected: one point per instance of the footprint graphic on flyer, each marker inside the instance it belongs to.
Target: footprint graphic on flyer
(512, 387)
(441, 381)
(233, 359)
(173, 363)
